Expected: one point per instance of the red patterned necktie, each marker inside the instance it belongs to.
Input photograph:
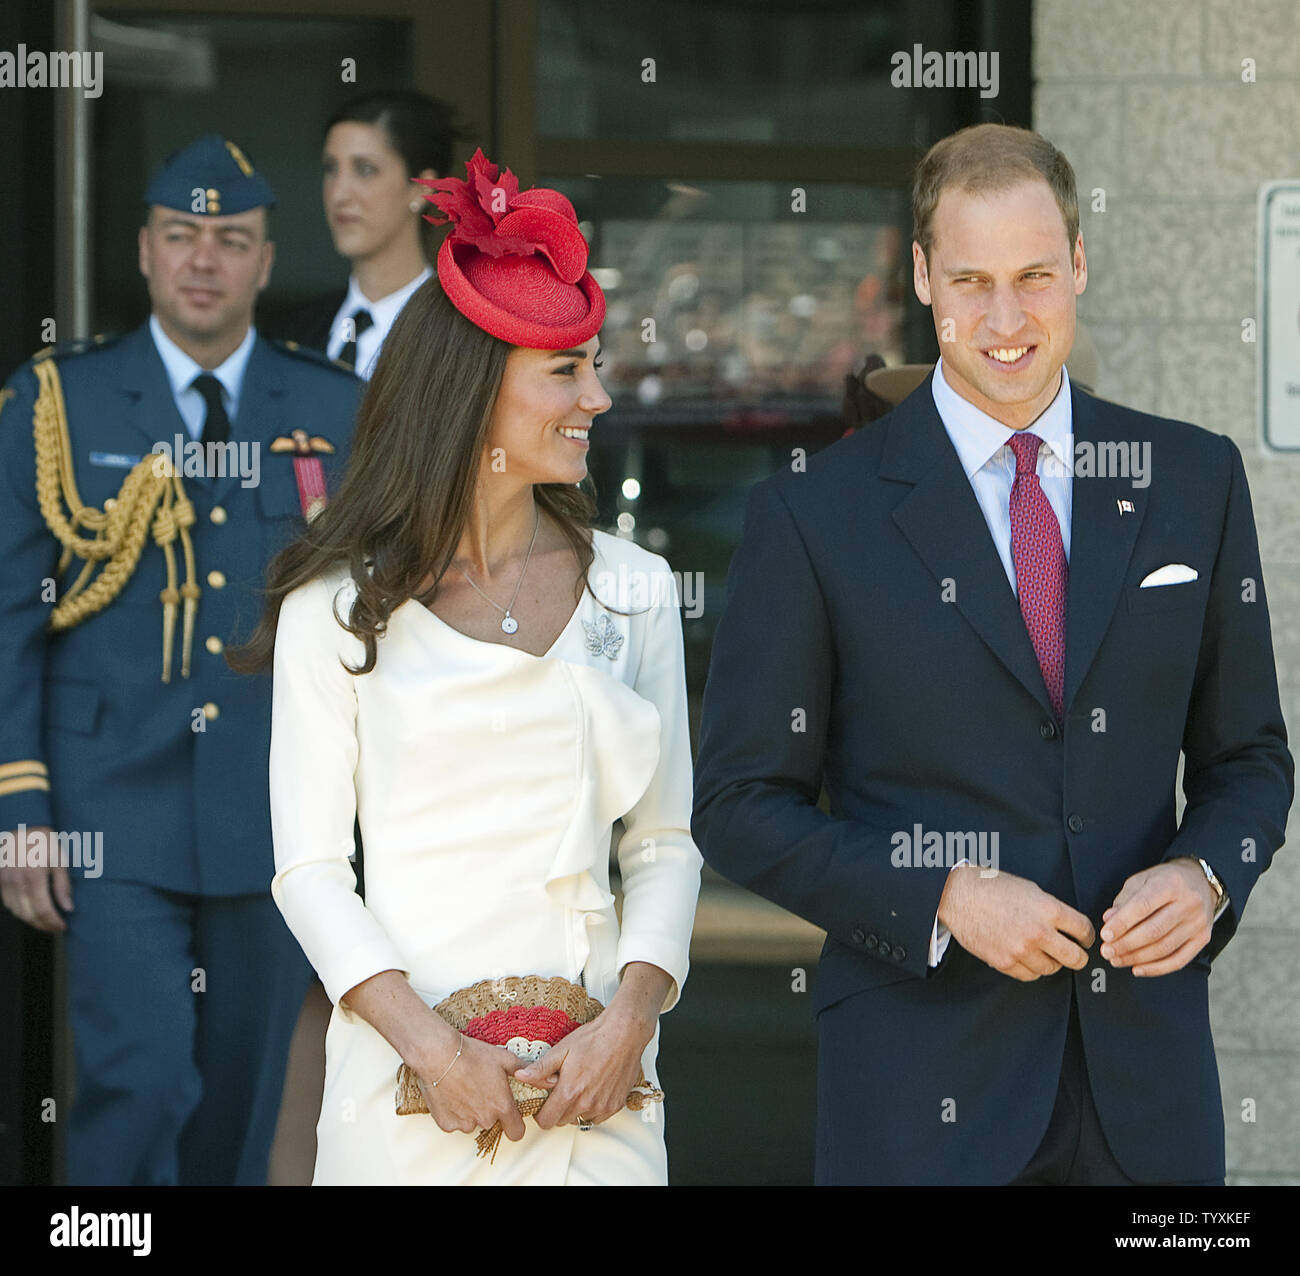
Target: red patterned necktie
(1042, 573)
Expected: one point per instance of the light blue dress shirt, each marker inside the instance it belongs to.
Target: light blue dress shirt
(181, 371)
(990, 465)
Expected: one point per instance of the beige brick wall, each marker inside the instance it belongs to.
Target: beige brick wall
(1147, 100)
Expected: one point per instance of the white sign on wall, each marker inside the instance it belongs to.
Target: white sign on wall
(1278, 275)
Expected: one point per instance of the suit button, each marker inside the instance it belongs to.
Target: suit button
(218, 514)
(1047, 730)
(217, 580)
(872, 943)
(899, 952)
(210, 711)
(1075, 824)
(214, 645)
(858, 936)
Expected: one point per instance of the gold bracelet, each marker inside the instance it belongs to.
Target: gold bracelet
(451, 1065)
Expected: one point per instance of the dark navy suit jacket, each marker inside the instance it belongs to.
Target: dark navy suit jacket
(182, 809)
(309, 324)
(868, 593)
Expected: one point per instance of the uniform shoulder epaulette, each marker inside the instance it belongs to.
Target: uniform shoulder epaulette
(319, 358)
(81, 345)
(58, 351)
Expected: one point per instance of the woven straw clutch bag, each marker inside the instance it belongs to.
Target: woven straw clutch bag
(526, 1014)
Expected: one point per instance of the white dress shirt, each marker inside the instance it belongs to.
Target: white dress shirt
(990, 465)
(382, 315)
(181, 371)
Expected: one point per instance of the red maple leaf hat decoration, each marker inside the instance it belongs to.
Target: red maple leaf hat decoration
(515, 262)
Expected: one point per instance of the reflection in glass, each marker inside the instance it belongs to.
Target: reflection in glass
(727, 307)
(721, 72)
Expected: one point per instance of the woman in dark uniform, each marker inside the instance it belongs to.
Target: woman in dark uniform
(372, 147)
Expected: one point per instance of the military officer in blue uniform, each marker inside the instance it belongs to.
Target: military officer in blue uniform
(146, 482)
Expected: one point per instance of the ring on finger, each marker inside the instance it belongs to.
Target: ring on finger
(583, 1123)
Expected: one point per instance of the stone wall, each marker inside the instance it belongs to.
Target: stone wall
(1148, 102)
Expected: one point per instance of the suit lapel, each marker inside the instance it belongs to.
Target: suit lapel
(1101, 542)
(944, 524)
(318, 337)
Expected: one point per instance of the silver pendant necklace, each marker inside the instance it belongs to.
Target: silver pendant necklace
(508, 623)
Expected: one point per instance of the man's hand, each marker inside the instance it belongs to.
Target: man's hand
(1161, 918)
(31, 893)
(1013, 925)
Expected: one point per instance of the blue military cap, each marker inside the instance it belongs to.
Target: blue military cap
(210, 176)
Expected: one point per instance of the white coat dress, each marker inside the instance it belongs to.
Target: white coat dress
(486, 781)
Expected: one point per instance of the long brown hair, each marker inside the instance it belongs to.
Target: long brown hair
(406, 497)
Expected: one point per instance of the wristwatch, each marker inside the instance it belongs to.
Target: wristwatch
(1220, 894)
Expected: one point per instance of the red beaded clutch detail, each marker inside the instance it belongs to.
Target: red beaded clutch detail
(525, 1014)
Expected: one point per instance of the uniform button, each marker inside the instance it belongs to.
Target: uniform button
(217, 580)
(218, 514)
(858, 936)
(214, 645)
(210, 711)
(111, 503)
(1047, 730)
(872, 943)
(1075, 824)
(899, 952)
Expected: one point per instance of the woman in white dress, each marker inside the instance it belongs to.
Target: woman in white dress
(487, 684)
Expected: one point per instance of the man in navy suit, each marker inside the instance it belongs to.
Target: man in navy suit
(988, 624)
(170, 464)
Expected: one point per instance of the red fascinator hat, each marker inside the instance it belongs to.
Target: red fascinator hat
(515, 262)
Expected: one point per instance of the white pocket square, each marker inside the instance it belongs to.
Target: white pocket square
(1170, 574)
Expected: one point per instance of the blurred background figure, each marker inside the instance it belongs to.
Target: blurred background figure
(183, 981)
(373, 146)
(863, 401)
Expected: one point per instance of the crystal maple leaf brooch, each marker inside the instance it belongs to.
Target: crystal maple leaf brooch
(602, 637)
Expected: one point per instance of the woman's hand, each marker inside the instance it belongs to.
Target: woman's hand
(590, 1072)
(475, 1092)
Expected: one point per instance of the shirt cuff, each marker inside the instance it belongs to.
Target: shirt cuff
(939, 933)
(1222, 908)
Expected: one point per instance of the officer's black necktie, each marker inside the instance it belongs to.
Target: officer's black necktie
(216, 427)
(360, 320)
